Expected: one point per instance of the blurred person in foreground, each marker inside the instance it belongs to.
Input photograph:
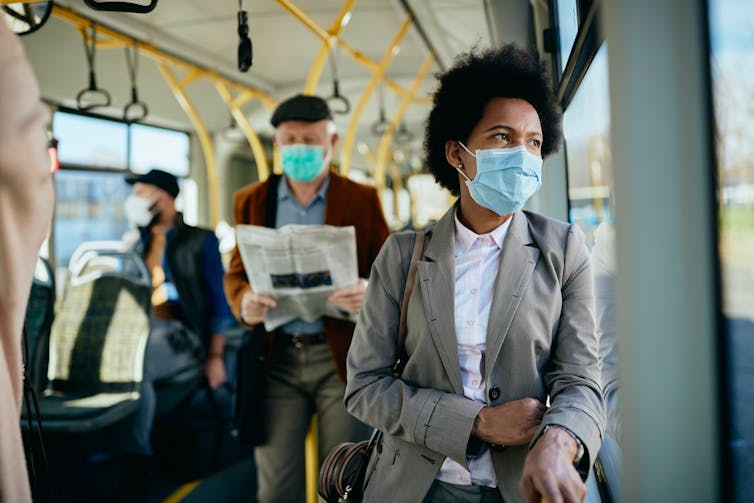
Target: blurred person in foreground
(501, 319)
(26, 199)
(306, 369)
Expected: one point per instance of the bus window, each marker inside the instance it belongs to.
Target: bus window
(568, 27)
(732, 68)
(90, 142)
(586, 127)
(88, 207)
(153, 147)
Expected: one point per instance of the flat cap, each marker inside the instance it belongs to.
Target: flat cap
(301, 108)
(159, 178)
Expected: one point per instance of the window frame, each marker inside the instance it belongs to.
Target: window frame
(127, 170)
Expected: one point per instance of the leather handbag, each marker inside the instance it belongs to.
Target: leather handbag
(342, 477)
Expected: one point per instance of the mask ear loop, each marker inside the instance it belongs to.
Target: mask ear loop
(461, 165)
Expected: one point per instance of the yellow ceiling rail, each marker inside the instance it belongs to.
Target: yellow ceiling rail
(204, 139)
(110, 44)
(319, 62)
(356, 55)
(384, 148)
(242, 99)
(263, 170)
(190, 77)
(160, 56)
(346, 152)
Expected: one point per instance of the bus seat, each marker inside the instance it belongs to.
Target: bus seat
(39, 315)
(97, 345)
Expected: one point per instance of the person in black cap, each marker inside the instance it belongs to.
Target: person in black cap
(190, 314)
(306, 372)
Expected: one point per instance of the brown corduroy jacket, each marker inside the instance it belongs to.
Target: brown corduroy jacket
(347, 203)
(26, 200)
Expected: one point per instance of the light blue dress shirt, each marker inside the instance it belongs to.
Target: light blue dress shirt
(291, 212)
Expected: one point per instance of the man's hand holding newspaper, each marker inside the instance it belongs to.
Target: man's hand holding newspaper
(298, 271)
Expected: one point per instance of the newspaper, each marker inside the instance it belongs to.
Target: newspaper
(300, 266)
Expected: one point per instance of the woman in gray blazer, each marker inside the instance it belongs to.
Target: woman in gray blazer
(501, 318)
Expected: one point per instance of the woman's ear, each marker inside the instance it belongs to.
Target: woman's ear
(453, 153)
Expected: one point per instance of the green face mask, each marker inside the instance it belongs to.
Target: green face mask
(302, 162)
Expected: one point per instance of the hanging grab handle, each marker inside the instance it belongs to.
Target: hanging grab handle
(338, 104)
(92, 96)
(136, 110)
(121, 6)
(379, 127)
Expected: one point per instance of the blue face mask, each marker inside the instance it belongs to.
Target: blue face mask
(302, 162)
(505, 178)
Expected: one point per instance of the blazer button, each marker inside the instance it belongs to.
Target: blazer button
(494, 393)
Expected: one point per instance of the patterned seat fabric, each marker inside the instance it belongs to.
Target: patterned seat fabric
(99, 336)
(97, 344)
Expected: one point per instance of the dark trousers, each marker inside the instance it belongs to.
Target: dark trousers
(442, 492)
(300, 382)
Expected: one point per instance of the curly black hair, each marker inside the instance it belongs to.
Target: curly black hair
(466, 88)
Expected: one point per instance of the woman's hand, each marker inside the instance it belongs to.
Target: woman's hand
(512, 423)
(549, 474)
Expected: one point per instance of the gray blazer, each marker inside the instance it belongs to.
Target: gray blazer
(541, 343)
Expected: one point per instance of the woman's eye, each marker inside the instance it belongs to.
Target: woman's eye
(502, 137)
(535, 143)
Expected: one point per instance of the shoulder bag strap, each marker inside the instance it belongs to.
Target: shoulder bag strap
(400, 360)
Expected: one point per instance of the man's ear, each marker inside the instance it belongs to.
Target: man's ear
(334, 140)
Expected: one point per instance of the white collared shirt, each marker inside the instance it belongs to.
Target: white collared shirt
(477, 258)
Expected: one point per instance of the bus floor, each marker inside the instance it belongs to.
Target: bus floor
(79, 470)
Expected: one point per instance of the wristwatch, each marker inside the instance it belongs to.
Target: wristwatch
(579, 444)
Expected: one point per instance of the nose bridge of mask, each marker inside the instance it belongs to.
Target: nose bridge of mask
(530, 164)
(303, 149)
(502, 152)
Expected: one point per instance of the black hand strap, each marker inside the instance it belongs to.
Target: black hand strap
(122, 6)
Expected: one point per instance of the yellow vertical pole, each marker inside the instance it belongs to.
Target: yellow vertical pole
(384, 147)
(312, 80)
(204, 139)
(263, 170)
(312, 462)
(346, 152)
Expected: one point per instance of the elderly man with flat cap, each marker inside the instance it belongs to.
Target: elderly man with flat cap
(190, 314)
(306, 372)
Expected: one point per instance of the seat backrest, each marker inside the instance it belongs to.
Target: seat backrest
(100, 332)
(39, 314)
